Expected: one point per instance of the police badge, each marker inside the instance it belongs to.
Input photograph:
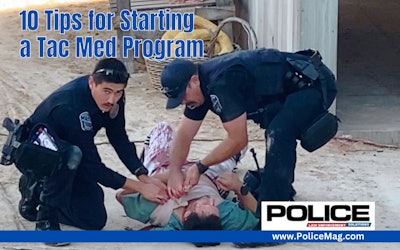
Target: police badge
(86, 122)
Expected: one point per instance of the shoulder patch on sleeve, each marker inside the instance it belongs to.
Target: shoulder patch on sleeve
(86, 122)
(216, 104)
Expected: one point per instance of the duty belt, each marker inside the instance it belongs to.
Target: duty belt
(303, 73)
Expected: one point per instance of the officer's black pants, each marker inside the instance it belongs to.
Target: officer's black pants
(299, 110)
(78, 201)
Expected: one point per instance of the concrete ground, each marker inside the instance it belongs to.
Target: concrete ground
(369, 70)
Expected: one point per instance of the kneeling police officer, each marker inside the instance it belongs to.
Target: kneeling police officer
(62, 173)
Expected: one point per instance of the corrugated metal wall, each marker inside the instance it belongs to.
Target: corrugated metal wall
(276, 23)
(319, 28)
(291, 25)
(297, 24)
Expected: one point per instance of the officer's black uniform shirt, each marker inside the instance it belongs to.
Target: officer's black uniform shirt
(240, 82)
(73, 115)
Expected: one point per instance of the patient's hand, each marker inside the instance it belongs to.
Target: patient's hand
(229, 181)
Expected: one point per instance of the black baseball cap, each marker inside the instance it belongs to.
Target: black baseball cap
(174, 80)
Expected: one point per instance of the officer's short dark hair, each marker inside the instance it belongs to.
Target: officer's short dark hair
(110, 70)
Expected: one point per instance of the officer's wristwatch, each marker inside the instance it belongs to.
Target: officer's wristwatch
(244, 190)
(140, 171)
(202, 168)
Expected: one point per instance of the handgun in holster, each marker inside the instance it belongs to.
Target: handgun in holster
(12, 142)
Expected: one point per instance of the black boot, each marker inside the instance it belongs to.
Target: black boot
(30, 190)
(47, 219)
(206, 244)
(256, 244)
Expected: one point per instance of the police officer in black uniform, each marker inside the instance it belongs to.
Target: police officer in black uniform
(283, 92)
(74, 114)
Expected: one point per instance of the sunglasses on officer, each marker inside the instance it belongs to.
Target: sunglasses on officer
(175, 91)
(120, 76)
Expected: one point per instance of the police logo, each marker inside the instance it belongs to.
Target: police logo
(114, 111)
(86, 122)
(216, 104)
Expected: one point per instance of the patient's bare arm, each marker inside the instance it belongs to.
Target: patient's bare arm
(230, 181)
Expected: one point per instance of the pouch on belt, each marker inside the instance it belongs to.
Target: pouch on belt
(37, 152)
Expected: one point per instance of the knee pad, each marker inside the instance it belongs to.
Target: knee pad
(321, 130)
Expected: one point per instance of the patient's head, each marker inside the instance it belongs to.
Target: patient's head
(203, 206)
(202, 214)
(195, 222)
(210, 222)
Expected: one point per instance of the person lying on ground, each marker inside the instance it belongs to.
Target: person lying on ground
(204, 206)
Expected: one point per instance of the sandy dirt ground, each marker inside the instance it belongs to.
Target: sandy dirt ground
(343, 170)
